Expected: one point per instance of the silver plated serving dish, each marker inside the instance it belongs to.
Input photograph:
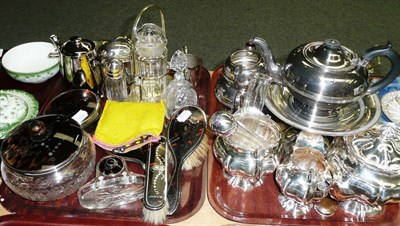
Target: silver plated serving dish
(346, 121)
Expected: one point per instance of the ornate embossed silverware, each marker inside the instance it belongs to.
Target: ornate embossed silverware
(248, 146)
(366, 169)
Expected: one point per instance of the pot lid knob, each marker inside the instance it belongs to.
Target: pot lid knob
(330, 54)
(77, 46)
(37, 130)
(332, 43)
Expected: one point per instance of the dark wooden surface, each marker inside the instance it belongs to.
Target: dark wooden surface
(68, 210)
(261, 206)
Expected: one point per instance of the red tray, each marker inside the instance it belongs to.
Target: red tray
(261, 206)
(66, 209)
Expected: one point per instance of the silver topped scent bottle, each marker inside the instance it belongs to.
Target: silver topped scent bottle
(179, 92)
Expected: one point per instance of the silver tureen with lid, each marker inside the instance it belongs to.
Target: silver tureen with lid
(366, 168)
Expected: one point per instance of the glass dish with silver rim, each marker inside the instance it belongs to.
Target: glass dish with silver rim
(47, 158)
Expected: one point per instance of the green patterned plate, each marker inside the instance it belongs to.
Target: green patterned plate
(16, 106)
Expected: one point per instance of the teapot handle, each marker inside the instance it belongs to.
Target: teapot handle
(394, 58)
(135, 24)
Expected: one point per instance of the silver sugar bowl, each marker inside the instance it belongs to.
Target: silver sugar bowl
(247, 146)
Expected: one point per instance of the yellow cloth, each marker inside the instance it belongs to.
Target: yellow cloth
(121, 122)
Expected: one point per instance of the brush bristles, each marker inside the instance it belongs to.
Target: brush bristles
(156, 216)
(198, 156)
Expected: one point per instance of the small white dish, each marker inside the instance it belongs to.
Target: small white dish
(30, 62)
(391, 106)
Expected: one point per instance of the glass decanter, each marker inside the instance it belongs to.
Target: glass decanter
(179, 92)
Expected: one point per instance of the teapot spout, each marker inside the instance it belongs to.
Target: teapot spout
(273, 69)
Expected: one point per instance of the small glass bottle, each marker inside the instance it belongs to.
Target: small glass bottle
(115, 80)
(200, 78)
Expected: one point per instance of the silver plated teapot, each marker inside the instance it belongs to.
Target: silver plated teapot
(327, 74)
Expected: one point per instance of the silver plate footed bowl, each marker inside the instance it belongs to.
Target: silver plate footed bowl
(244, 165)
(366, 166)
